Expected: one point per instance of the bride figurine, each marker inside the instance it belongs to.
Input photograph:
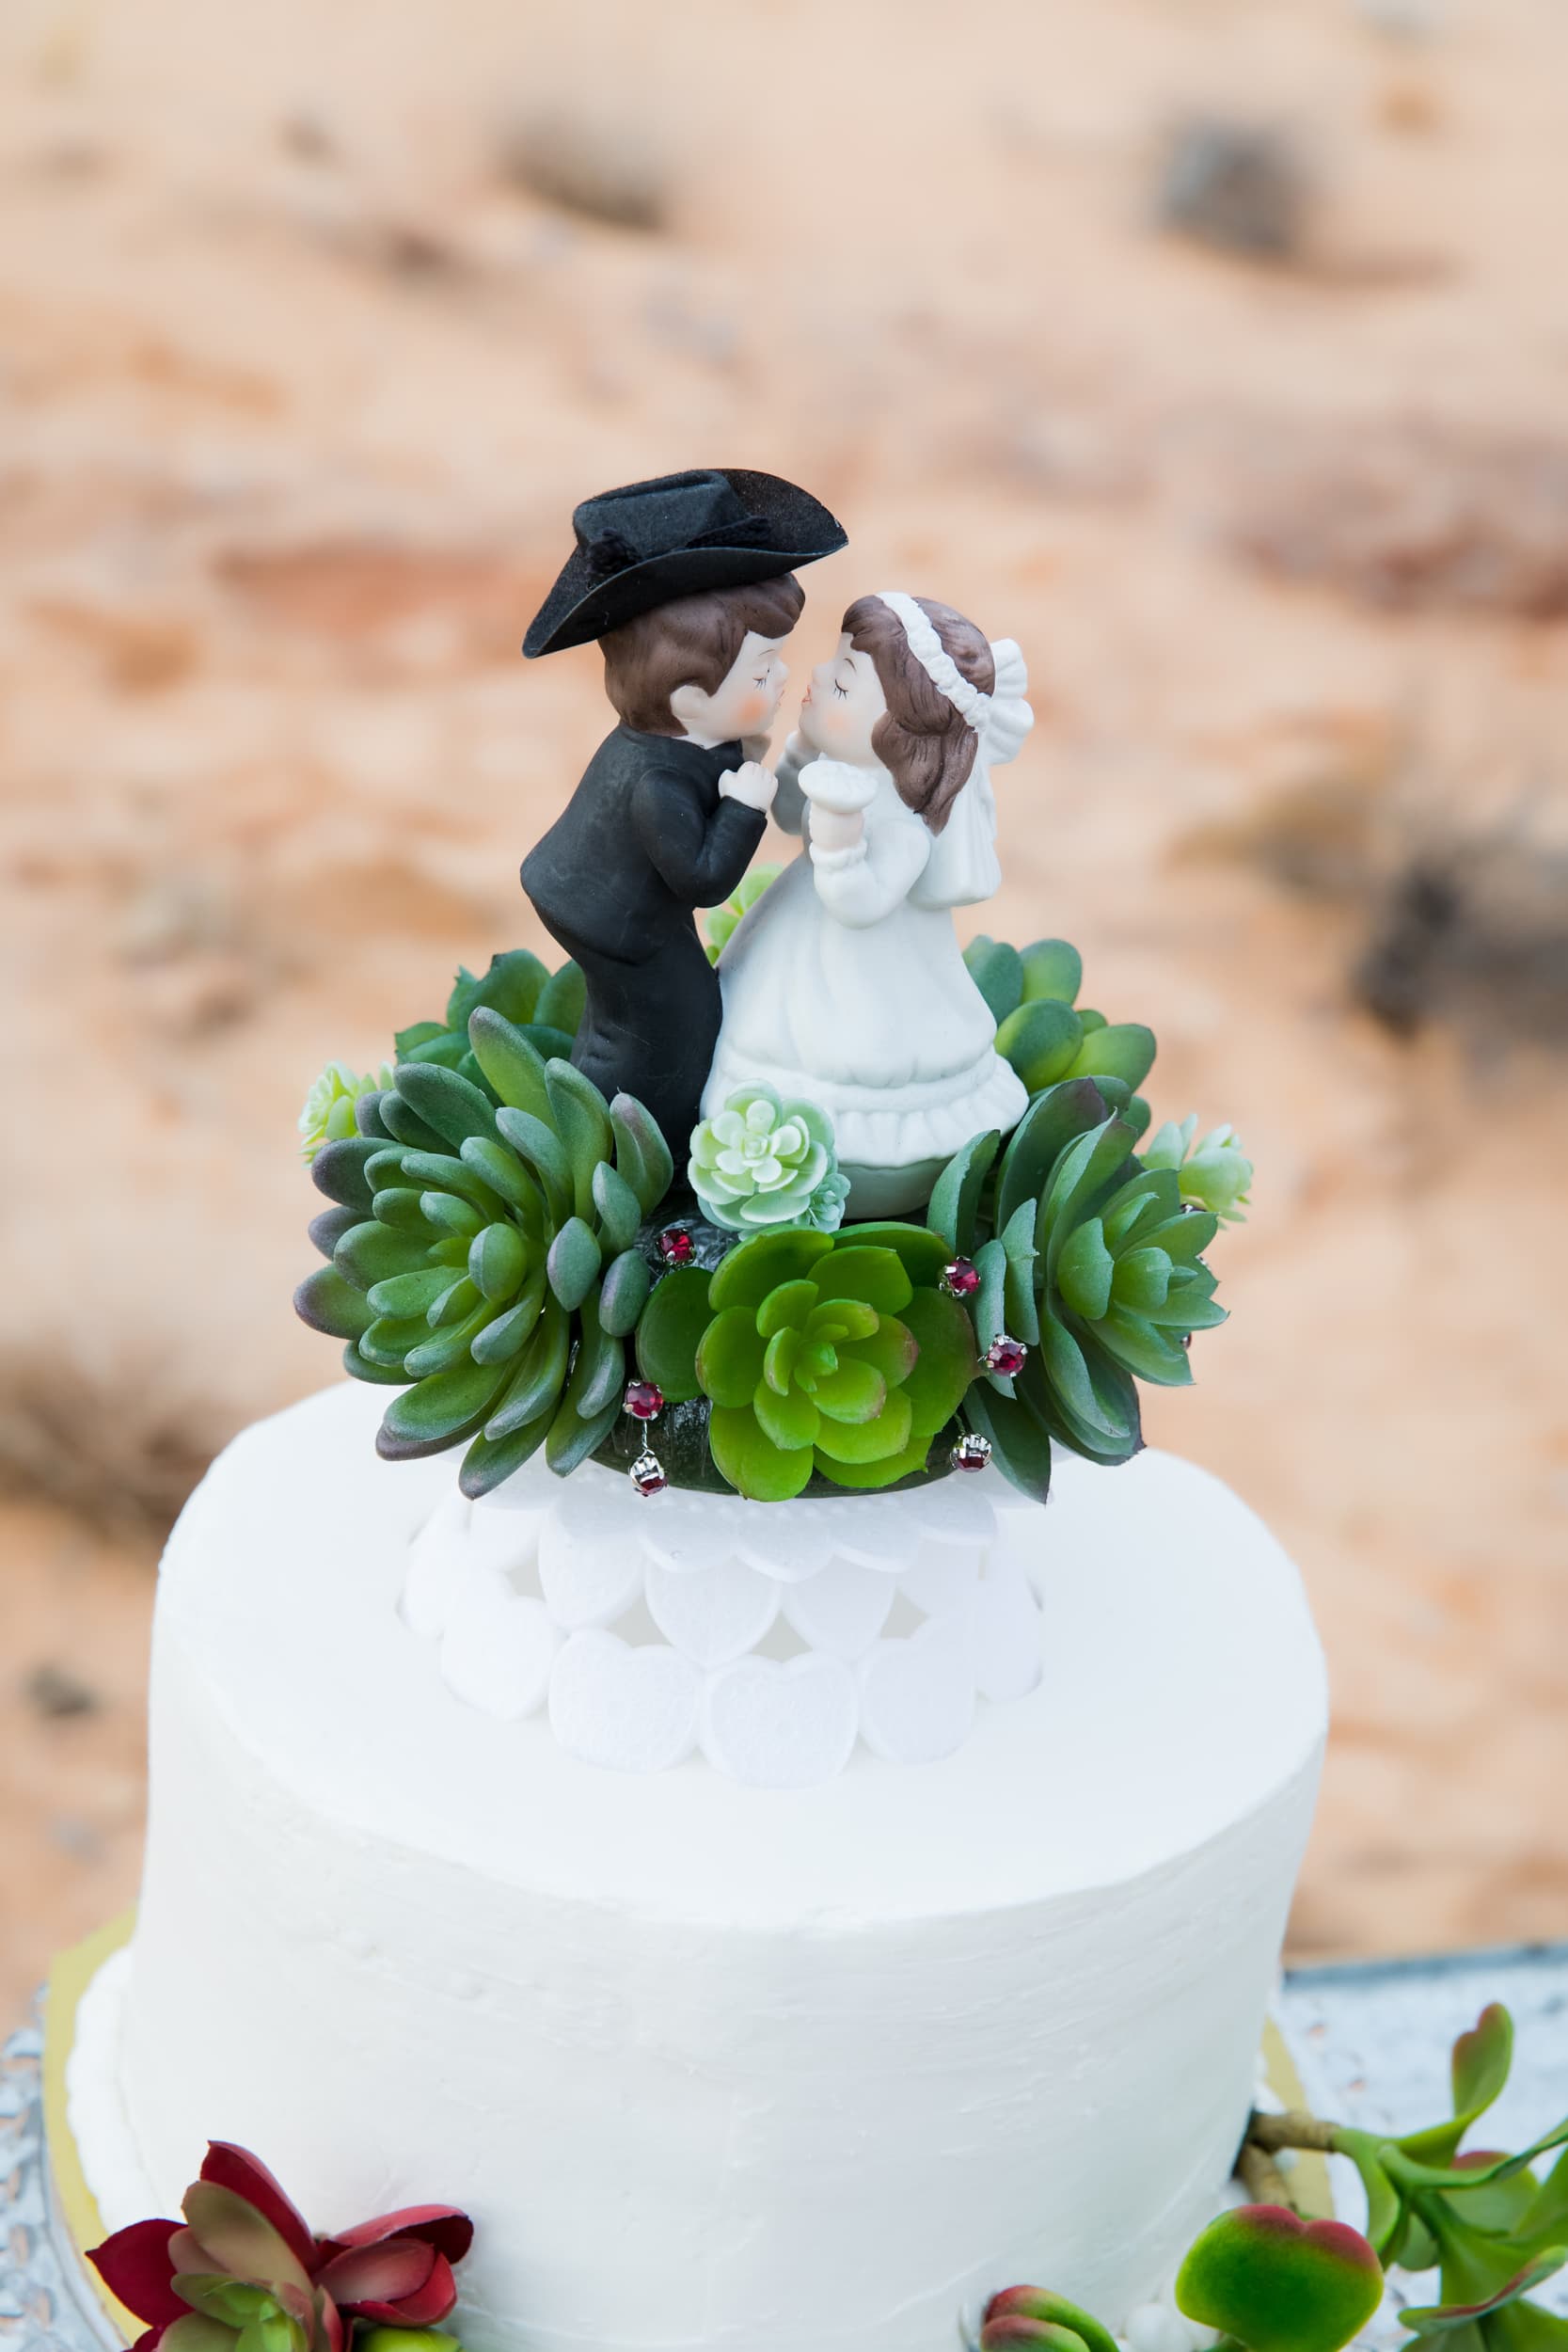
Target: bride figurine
(843, 984)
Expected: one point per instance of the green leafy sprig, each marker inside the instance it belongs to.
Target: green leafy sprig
(483, 1253)
(1043, 1031)
(1271, 2280)
(1491, 2227)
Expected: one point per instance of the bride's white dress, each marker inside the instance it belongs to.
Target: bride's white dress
(845, 985)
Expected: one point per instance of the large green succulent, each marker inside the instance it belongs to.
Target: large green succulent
(838, 1356)
(1086, 1257)
(1047, 1036)
(548, 1005)
(482, 1255)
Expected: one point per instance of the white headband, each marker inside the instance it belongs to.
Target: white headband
(935, 659)
(1001, 720)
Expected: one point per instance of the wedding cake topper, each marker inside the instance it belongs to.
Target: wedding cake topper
(856, 1209)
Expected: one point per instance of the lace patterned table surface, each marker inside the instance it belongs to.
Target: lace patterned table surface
(1370, 2039)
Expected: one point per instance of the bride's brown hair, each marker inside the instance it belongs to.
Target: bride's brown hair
(926, 746)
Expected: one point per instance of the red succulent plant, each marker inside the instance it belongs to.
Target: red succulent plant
(243, 2271)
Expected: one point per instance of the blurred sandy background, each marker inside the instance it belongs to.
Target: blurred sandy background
(314, 321)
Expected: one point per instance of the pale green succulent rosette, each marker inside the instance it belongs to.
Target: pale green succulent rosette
(762, 1163)
(328, 1114)
(1216, 1176)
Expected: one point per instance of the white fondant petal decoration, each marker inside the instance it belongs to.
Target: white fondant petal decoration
(940, 1577)
(841, 1609)
(508, 1540)
(873, 1538)
(690, 1530)
(438, 1567)
(917, 1697)
(781, 1726)
(631, 1710)
(1005, 1628)
(530, 1488)
(963, 1510)
(788, 1540)
(712, 1614)
(1025, 1533)
(589, 1574)
(497, 1650)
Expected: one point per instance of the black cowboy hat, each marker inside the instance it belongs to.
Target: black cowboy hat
(653, 541)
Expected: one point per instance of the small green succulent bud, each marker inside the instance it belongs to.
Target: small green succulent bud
(328, 1115)
(1216, 1176)
(1034, 2316)
(724, 921)
(761, 1162)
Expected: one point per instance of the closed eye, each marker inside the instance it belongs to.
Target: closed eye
(842, 692)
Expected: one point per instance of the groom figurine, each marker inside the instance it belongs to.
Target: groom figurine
(687, 584)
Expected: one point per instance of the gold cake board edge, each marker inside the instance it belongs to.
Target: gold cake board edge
(68, 1978)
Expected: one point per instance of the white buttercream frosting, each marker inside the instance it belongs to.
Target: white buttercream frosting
(714, 2066)
(645, 1629)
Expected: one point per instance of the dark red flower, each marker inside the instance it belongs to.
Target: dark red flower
(241, 2236)
(135, 2267)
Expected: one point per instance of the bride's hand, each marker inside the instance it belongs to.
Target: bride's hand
(835, 829)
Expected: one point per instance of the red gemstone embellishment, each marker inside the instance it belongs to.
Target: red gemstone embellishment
(676, 1246)
(960, 1279)
(644, 1401)
(647, 1475)
(970, 1452)
(1006, 1356)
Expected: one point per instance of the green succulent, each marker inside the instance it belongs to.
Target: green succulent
(1486, 2221)
(1086, 1257)
(760, 1161)
(482, 1255)
(1217, 1176)
(1022, 2317)
(548, 1006)
(1278, 2283)
(328, 1114)
(722, 924)
(1047, 1036)
(820, 1354)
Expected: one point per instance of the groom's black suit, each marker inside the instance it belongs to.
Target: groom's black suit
(645, 838)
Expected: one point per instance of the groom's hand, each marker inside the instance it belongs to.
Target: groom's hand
(753, 784)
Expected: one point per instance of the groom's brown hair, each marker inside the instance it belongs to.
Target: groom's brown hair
(692, 641)
(926, 746)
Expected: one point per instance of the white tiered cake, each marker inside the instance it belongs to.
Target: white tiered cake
(711, 2065)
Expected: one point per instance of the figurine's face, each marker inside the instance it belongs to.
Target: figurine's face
(842, 706)
(745, 702)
